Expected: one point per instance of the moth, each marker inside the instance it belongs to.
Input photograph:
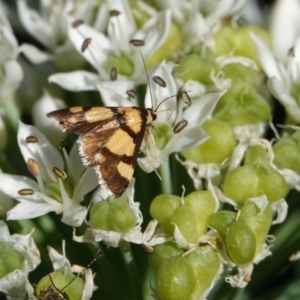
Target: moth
(109, 139)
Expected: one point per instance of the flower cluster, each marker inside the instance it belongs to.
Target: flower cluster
(224, 143)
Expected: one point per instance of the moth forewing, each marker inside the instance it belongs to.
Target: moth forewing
(109, 139)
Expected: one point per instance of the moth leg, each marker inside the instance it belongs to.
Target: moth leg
(148, 133)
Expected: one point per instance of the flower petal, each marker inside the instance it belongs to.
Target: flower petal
(97, 51)
(11, 184)
(33, 54)
(29, 210)
(154, 33)
(36, 25)
(268, 62)
(43, 152)
(120, 28)
(279, 91)
(75, 81)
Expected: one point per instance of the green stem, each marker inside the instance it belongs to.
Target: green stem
(12, 112)
(134, 279)
(165, 172)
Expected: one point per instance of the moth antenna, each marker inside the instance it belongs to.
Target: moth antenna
(179, 93)
(99, 254)
(148, 79)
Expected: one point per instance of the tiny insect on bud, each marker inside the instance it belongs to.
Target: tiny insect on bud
(159, 81)
(114, 13)
(63, 144)
(186, 98)
(247, 278)
(26, 192)
(131, 93)
(32, 139)
(77, 23)
(85, 44)
(33, 167)
(180, 126)
(137, 43)
(59, 173)
(113, 74)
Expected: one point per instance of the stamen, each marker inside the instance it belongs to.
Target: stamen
(77, 23)
(31, 139)
(33, 167)
(159, 81)
(113, 74)
(131, 93)
(114, 13)
(85, 44)
(63, 144)
(59, 173)
(186, 98)
(137, 43)
(180, 126)
(26, 192)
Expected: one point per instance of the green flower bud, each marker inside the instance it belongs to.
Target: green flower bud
(206, 263)
(230, 38)
(287, 153)
(216, 149)
(203, 204)
(162, 133)
(122, 63)
(176, 279)
(197, 68)
(113, 214)
(253, 181)
(238, 237)
(10, 259)
(272, 183)
(243, 78)
(57, 283)
(240, 243)
(163, 251)
(243, 108)
(161, 209)
(259, 221)
(99, 215)
(185, 219)
(121, 217)
(220, 222)
(242, 183)
(257, 155)
(167, 49)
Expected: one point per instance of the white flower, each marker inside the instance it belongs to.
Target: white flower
(48, 25)
(11, 73)
(284, 26)
(191, 136)
(16, 282)
(48, 126)
(199, 19)
(53, 190)
(281, 79)
(112, 238)
(121, 29)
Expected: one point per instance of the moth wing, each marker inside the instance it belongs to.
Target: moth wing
(81, 120)
(113, 153)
